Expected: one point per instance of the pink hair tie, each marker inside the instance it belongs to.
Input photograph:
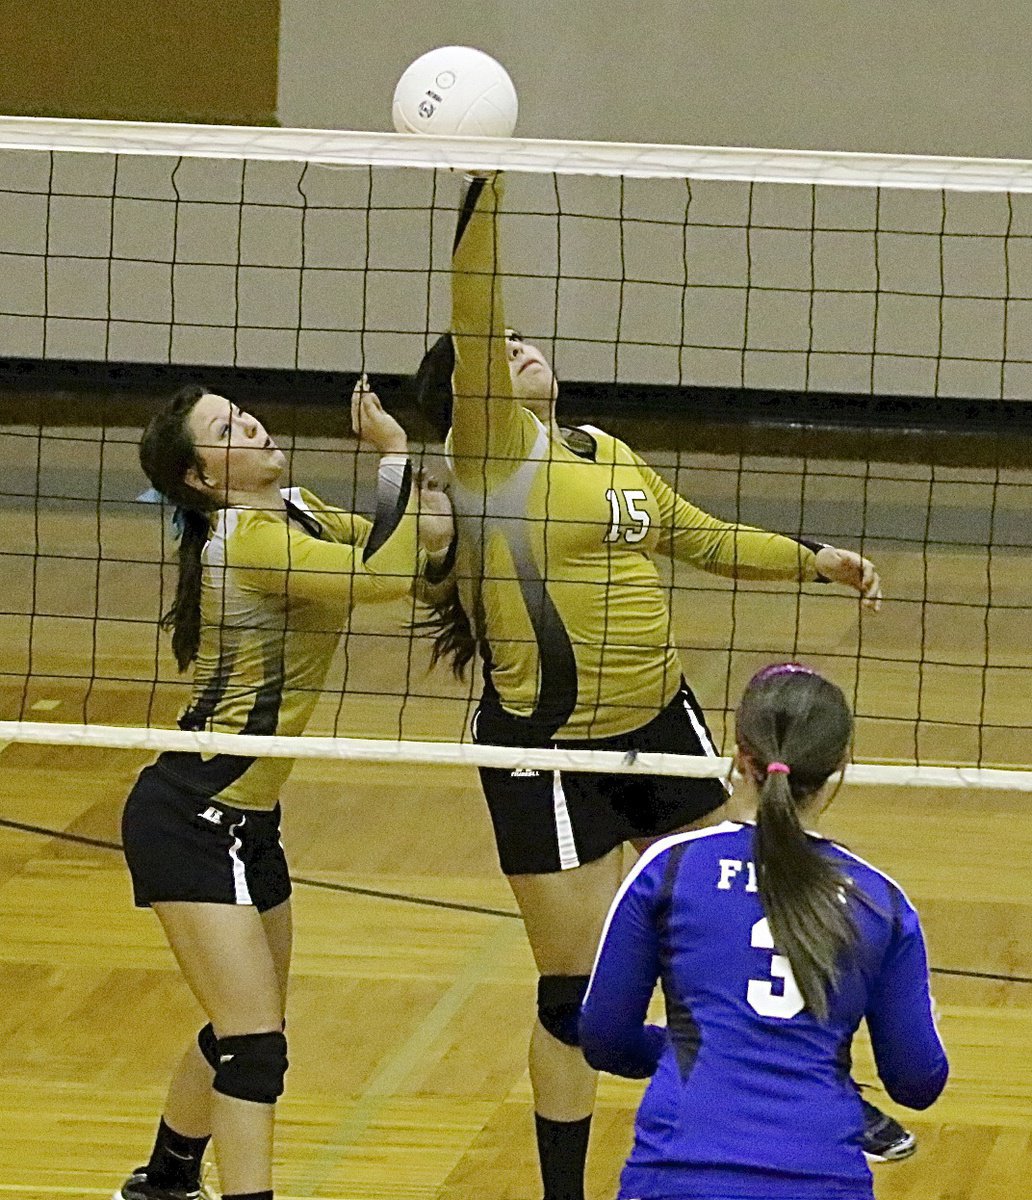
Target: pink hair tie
(778, 768)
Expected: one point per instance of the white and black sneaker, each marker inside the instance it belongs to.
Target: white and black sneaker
(136, 1187)
(885, 1139)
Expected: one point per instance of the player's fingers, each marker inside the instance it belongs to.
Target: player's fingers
(871, 586)
(842, 567)
(361, 385)
(366, 419)
(854, 569)
(373, 414)
(359, 390)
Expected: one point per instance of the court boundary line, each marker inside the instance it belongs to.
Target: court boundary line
(427, 901)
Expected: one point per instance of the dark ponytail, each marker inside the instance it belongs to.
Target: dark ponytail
(792, 717)
(184, 617)
(431, 387)
(167, 452)
(453, 639)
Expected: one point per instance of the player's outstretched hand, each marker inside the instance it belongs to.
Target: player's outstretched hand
(372, 424)
(852, 570)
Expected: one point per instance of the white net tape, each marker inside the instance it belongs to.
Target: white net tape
(534, 155)
(445, 754)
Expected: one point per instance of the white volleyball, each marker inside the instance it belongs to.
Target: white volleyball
(455, 90)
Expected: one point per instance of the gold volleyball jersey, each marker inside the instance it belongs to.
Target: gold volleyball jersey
(275, 598)
(557, 536)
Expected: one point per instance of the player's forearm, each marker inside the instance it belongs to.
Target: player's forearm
(688, 534)
(350, 528)
(613, 1033)
(632, 1051)
(484, 412)
(911, 1059)
(918, 1093)
(743, 552)
(908, 1051)
(390, 554)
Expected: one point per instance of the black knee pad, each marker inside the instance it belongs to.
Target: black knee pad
(559, 1004)
(252, 1067)
(209, 1046)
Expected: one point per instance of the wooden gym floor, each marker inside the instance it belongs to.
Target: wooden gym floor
(412, 994)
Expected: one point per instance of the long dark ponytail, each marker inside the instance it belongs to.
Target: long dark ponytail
(454, 641)
(793, 718)
(167, 452)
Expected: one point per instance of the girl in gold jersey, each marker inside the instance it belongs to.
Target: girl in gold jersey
(553, 583)
(267, 579)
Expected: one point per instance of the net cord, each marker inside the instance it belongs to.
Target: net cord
(448, 754)
(536, 155)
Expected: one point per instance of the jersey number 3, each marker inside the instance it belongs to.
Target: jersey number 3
(761, 995)
(638, 517)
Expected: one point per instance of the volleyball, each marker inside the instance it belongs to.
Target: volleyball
(455, 90)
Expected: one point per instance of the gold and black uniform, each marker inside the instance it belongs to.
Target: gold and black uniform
(554, 566)
(276, 593)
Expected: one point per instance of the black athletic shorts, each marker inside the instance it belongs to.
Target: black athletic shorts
(182, 846)
(546, 821)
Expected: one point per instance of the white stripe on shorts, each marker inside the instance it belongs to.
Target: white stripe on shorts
(563, 829)
(240, 893)
(704, 738)
(700, 731)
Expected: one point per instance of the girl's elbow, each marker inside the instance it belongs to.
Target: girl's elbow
(382, 589)
(919, 1094)
(600, 1056)
(596, 1055)
(599, 1051)
(628, 1059)
(591, 1045)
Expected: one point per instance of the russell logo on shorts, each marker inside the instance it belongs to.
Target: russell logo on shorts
(212, 815)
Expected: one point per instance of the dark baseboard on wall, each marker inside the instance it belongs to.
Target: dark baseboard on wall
(947, 430)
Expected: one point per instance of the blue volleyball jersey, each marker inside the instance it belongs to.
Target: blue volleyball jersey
(750, 1094)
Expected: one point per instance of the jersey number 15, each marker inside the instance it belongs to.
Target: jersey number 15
(637, 517)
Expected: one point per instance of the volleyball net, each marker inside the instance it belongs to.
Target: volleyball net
(835, 346)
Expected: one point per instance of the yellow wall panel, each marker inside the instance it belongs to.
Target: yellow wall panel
(156, 60)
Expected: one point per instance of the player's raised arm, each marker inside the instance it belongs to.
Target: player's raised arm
(488, 423)
(379, 566)
(342, 525)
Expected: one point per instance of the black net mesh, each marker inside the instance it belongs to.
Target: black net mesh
(843, 363)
